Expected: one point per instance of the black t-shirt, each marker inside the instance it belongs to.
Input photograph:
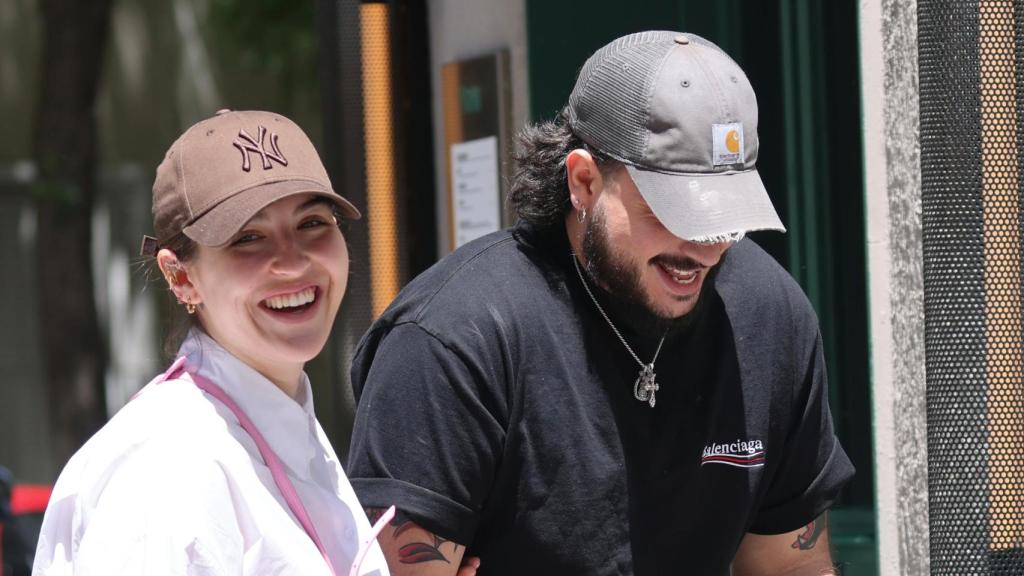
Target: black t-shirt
(496, 409)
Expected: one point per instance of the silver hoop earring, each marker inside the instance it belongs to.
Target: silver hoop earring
(582, 215)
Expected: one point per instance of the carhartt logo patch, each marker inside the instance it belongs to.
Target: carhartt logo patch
(741, 453)
(246, 144)
(727, 144)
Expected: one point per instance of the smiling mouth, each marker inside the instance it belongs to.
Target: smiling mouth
(680, 275)
(294, 302)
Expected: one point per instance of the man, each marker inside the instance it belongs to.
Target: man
(621, 384)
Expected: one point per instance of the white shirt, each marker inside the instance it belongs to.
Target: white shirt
(172, 484)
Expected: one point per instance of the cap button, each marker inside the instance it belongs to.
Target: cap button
(682, 39)
(223, 111)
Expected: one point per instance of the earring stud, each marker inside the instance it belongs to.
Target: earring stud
(189, 306)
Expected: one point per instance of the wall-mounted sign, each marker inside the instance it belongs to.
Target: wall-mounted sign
(476, 104)
(476, 190)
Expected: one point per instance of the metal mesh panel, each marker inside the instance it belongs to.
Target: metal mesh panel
(343, 138)
(1001, 206)
(381, 190)
(376, 94)
(971, 173)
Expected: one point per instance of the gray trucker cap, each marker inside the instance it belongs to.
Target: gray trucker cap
(682, 116)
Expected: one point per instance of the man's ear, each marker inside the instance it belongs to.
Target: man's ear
(584, 178)
(177, 277)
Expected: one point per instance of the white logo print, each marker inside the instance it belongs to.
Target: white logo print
(741, 453)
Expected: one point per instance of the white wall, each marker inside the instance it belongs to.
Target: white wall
(461, 29)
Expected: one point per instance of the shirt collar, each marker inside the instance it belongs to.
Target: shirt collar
(288, 425)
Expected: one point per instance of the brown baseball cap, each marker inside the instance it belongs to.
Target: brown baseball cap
(223, 170)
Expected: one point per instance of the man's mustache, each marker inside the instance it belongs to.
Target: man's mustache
(681, 263)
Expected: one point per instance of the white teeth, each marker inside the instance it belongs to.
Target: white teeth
(680, 276)
(291, 300)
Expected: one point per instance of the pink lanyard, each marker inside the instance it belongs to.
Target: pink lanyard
(284, 484)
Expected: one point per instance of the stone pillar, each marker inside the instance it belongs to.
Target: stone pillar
(889, 69)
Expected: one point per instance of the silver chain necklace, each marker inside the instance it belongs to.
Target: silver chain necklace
(645, 386)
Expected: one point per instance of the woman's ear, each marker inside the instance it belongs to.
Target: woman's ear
(584, 178)
(176, 275)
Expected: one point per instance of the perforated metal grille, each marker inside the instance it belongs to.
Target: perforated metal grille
(381, 189)
(970, 62)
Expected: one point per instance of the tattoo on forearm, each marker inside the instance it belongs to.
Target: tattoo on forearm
(426, 548)
(417, 552)
(809, 537)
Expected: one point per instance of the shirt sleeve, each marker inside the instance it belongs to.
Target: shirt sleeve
(147, 516)
(814, 466)
(429, 431)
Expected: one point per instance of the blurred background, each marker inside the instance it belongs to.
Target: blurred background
(413, 105)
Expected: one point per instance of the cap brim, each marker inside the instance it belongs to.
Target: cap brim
(220, 223)
(699, 207)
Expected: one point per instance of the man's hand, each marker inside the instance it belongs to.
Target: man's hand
(803, 552)
(411, 550)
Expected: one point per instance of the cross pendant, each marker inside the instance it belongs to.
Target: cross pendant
(645, 386)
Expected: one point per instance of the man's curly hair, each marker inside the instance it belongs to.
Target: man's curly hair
(539, 191)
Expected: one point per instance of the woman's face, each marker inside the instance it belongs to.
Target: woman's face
(271, 294)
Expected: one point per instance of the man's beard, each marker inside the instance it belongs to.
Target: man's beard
(619, 275)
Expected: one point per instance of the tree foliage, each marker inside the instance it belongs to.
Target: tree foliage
(64, 149)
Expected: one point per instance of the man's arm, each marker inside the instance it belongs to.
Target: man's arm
(411, 550)
(803, 552)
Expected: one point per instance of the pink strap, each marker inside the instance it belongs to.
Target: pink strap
(284, 484)
(366, 544)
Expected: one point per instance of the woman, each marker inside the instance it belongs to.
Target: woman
(219, 465)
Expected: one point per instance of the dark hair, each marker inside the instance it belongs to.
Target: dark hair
(539, 191)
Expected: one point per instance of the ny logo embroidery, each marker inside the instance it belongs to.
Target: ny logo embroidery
(246, 144)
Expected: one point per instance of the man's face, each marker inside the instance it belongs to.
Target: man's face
(636, 259)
